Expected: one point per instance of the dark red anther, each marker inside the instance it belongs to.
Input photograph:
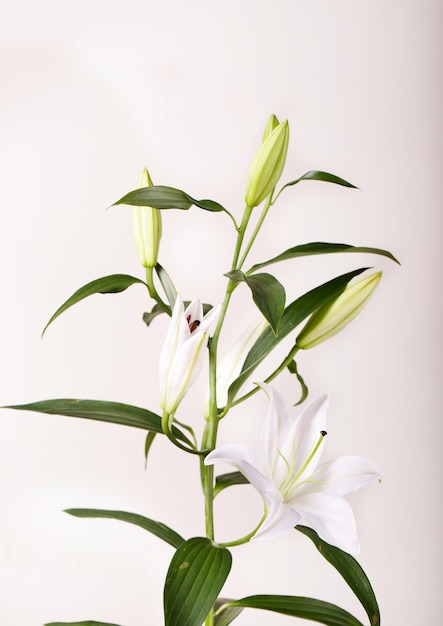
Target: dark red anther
(192, 325)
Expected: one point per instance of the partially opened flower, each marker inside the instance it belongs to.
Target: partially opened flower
(182, 354)
(231, 363)
(284, 469)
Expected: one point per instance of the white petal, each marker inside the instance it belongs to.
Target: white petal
(280, 519)
(194, 311)
(276, 426)
(246, 460)
(184, 369)
(332, 519)
(232, 362)
(210, 319)
(345, 474)
(309, 425)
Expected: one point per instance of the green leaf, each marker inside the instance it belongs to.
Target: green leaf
(228, 615)
(167, 284)
(149, 316)
(148, 443)
(306, 608)
(161, 197)
(111, 412)
(294, 313)
(320, 176)
(292, 367)
(195, 577)
(108, 284)
(156, 528)
(268, 294)
(87, 623)
(350, 570)
(229, 479)
(320, 247)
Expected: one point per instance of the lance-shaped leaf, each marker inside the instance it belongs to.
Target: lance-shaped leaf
(162, 197)
(324, 177)
(151, 315)
(228, 615)
(114, 283)
(306, 608)
(350, 570)
(156, 528)
(320, 247)
(195, 577)
(87, 623)
(294, 313)
(111, 412)
(227, 480)
(268, 294)
(167, 284)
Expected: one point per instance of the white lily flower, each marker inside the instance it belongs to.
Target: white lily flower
(284, 471)
(230, 365)
(182, 354)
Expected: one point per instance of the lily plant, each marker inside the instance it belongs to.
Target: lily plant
(297, 491)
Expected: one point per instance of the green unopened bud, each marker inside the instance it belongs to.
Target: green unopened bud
(329, 319)
(268, 163)
(270, 125)
(146, 227)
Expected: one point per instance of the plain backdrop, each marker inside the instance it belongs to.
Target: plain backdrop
(91, 92)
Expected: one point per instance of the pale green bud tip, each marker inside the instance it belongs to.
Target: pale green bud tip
(146, 227)
(267, 165)
(270, 125)
(144, 180)
(329, 319)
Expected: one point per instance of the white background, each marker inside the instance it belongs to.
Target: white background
(90, 93)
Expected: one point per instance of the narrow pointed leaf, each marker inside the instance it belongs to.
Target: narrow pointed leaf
(268, 294)
(322, 177)
(228, 615)
(350, 570)
(148, 317)
(195, 577)
(294, 313)
(87, 623)
(292, 367)
(148, 443)
(111, 412)
(229, 479)
(156, 528)
(167, 284)
(306, 608)
(320, 247)
(162, 197)
(115, 283)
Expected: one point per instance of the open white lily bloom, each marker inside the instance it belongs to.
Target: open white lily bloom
(284, 469)
(230, 365)
(183, 352)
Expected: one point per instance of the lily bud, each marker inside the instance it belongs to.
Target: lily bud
(230, 365)
(329, 319)
(183, 352)
(146, 227)
(268, 163)
(270, 125)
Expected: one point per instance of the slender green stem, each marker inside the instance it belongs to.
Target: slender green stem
(246, 538)
(167, 420)
(286, 361)
(209, 439)
(256, 231)
(153, 291)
